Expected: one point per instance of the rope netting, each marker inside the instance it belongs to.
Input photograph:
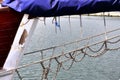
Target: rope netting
(49, 57)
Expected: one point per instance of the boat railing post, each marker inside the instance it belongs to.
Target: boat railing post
(16, 51)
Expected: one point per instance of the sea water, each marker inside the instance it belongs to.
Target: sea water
(106, 67)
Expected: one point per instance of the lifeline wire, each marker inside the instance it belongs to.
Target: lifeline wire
(74, 55)
(72, 42)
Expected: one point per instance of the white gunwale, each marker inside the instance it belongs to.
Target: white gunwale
(16, 51)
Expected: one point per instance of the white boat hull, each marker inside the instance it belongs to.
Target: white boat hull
(20, 42)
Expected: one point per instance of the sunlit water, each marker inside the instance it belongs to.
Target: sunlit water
(106, 67)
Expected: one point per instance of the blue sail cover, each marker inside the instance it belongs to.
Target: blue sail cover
(48, 8)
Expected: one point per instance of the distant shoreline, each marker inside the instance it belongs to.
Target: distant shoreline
(110, 14)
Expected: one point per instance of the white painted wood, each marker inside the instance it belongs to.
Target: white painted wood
(15, 53)
(5, 75)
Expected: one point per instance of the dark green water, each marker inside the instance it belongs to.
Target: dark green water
(106, 67)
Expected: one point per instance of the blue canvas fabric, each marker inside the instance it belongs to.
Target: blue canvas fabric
(48, 8)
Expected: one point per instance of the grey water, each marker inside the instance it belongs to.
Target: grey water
(105, 67)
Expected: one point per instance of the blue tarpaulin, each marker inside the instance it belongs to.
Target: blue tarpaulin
(48, 8)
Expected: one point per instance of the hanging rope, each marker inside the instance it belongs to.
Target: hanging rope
(74, 55)
(95, 51)
(81, 27)
(59, 64)
(57, 23)
(71, 56)
(20, 77)
(70, 26)
(77, 41)
(105, 25)
(81, 49)
(45, 72)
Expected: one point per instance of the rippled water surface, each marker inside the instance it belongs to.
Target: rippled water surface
(106, 67)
